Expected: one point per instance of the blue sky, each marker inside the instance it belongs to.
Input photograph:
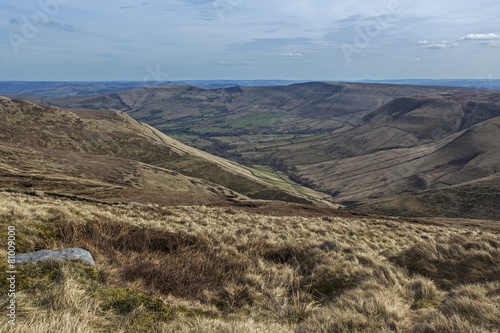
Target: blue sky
(248, 39)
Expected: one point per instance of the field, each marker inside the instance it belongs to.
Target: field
(229, 269)
(280, 149)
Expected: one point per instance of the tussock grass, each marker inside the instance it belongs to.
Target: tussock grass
(208, 269)
(458, 260)
(52, 300)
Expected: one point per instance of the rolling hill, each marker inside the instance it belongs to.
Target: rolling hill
(248, 124)
(344, 102)
(76, 88)
(364, 144)
(422, 146)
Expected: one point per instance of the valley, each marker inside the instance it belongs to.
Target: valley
(362, 145)
(229, 166)
(76, 141)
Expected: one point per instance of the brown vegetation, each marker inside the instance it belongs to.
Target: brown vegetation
(198, 268)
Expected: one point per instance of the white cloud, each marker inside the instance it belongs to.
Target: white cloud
(437, 46)
(490, 39)
(237, 63)
(481, 37)
(440, 45)
(291, 54)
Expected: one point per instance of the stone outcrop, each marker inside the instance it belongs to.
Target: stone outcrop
(80, 255)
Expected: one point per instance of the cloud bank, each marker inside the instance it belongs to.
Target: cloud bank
(490, 36)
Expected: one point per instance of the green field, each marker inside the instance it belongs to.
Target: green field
(259, 120)
(248, 137)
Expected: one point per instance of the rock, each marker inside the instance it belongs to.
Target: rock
(65, 254)
(133, 203)
(40, 194)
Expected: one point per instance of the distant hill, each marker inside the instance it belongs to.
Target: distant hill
(425, 147)
(485, 83)
(265, 125)
(250, 124)
(75, 88)
(71, 88)
(318, 100)
(412, 121)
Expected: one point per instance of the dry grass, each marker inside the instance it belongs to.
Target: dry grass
(459, 260)
(206, 269)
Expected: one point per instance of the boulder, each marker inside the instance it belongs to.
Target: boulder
(65, 254)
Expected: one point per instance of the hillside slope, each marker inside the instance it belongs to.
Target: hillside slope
(407, 122)
(340, 101)
(424, 143)
(466, 156)
(113, 133)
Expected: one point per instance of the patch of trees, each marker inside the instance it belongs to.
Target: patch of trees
(218, 147)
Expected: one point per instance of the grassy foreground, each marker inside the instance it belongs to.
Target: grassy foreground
(209, 269)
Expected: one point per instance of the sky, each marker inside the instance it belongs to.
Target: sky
(334, 40)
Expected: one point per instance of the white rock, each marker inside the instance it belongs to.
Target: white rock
(81, 255)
